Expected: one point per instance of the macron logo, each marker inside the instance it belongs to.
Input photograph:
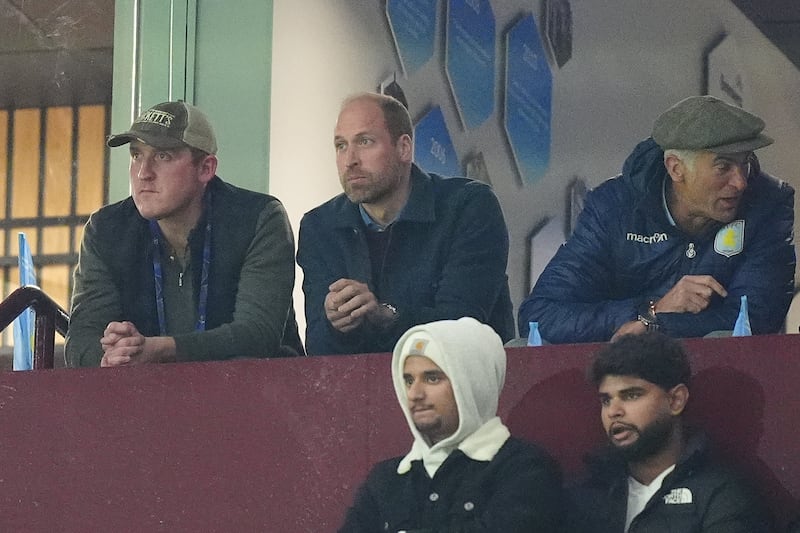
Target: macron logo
(648, 239)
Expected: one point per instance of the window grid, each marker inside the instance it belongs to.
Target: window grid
(67, 151)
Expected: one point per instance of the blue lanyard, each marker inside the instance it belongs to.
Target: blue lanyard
(158, 277)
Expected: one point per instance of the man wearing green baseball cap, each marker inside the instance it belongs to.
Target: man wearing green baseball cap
(188, 268)
(673, 243)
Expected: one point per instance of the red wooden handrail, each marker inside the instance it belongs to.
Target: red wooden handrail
(50, 317)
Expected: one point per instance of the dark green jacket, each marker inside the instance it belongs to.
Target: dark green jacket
(251, 278)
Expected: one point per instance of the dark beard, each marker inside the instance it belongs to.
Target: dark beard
(652, 440)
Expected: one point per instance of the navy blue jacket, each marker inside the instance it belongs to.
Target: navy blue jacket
(518, 491)
(446, 259)
(624, 252)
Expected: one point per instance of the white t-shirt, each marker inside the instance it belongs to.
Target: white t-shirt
(639, 495)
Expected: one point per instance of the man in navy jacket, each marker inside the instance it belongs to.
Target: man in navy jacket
(673, 243)
(399, 247)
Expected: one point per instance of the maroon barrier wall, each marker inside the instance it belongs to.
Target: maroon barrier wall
(281, 445)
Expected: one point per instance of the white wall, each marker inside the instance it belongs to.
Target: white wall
(631, 60)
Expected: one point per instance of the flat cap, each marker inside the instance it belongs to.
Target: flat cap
(708, 123)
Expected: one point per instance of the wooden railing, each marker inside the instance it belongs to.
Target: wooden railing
(50, 317)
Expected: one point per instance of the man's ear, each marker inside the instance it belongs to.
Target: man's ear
(405, 148)
(678, 397)
(208, 168)
(675, 167)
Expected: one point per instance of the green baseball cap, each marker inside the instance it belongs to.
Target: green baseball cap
(170, 125)
(708, 123)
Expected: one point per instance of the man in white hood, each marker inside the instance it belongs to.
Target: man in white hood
(464, 472)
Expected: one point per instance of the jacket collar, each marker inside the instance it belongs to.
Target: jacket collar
(420, 207)
(481, 445)
(644, 168)
(421, 202)
(609, 466)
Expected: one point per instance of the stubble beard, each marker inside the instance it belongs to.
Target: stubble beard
(428, 427)
(377, 187)
(371, 192)
(651, 440)
(431, 430)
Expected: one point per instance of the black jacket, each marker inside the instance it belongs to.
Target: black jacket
(517, 491)
(698, 496)
(446, 258)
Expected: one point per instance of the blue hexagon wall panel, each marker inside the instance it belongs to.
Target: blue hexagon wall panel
(413, 25)
(528, 96)
(470, 58)
(433, 147)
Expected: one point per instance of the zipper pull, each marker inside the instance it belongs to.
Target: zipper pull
(180, 279)
(690, 251)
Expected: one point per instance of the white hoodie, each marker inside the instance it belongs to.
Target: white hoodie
(472, 356)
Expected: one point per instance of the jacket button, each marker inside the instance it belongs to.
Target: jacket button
(469, 506)
(433, 497)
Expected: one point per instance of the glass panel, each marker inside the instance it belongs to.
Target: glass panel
(54, 280)
(25, 161)
(91, 158)
(3, 162)
(55, 96)
(55, 240)
(58, 161)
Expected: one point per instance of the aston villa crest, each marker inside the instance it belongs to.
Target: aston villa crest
(730, 239)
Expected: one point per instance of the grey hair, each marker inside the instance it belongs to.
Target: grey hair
(688, 157)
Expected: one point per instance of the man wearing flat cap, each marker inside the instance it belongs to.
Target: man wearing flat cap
(674, 242)
(188, 268)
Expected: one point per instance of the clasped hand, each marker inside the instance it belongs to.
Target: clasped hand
(124, 345)
(349, 303)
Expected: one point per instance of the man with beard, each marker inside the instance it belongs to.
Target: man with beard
(673, 243)
(399, 247)
(657, 476)
(464, 472)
